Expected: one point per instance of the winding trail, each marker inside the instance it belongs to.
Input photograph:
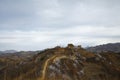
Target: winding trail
(45, 67)
(54, 59)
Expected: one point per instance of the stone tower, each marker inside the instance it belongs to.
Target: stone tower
(70, 46)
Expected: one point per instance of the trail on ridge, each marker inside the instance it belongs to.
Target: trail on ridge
(54, 59)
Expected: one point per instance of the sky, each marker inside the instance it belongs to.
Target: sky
(40, 24)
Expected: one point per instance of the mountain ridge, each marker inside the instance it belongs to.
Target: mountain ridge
(63, 63)
(8, 51)
(112, 47)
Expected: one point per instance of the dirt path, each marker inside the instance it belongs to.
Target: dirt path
(45, 67)
(54, 59)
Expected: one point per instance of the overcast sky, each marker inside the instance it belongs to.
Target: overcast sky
(39, 24)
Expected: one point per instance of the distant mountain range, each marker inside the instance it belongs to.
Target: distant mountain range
(110, 47)
(8, 51)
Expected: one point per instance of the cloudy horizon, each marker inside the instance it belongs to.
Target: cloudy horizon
(40, 24)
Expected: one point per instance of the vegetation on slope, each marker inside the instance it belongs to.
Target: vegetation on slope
(69, 63)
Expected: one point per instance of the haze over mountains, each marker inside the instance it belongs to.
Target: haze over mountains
(113, 47)
(8, 51)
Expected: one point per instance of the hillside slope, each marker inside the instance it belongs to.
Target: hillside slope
(69, 63)
(112, 47)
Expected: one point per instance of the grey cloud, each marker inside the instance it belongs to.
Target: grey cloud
(58, 22)
(35, 14)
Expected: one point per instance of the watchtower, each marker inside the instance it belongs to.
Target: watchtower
(70, 46)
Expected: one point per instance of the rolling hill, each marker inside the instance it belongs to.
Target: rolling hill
(62, 63)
